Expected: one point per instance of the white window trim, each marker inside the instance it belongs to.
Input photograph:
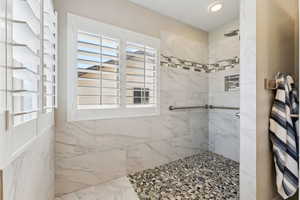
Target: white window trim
(76, 23)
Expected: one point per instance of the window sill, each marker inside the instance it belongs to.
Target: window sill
(129, 112)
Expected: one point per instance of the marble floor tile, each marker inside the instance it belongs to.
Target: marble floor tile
(119, 189)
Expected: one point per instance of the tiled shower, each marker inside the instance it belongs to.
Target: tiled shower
(96, 151)
(134, 144)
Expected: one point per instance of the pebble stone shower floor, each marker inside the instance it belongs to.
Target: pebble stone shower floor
(201, 177)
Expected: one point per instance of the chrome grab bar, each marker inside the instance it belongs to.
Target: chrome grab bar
(223, 107)
(187, 107)
(203, 107)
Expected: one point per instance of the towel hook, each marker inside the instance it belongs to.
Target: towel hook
(270, 84)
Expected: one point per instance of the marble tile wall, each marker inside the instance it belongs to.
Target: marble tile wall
(224, 134)
(89, 153)
(31, 175)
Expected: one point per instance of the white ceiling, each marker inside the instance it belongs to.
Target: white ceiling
(194, 12)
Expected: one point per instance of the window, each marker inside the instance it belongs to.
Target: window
(98, 64)
(30, 62)
(112, 72)
(140, 96)
(140, 74)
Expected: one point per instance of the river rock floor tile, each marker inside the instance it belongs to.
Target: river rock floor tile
(201, 177)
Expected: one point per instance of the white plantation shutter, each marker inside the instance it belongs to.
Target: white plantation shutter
(140, 74)
(112, 72)
(31, 61)
(49, 57)
(3, 70)
(23, 69)
(98, 84)
(24, 92)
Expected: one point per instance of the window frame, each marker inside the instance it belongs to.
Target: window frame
(76, 23)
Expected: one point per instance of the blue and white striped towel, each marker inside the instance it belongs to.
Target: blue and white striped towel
(284, 136)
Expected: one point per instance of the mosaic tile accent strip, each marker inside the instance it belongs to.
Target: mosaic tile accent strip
(171, 61)
(202, 176)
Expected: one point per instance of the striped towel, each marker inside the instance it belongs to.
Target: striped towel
(284, 136)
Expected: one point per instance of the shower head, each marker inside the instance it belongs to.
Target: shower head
(232, 33)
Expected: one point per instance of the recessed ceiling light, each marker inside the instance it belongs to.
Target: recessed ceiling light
(215, 7)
